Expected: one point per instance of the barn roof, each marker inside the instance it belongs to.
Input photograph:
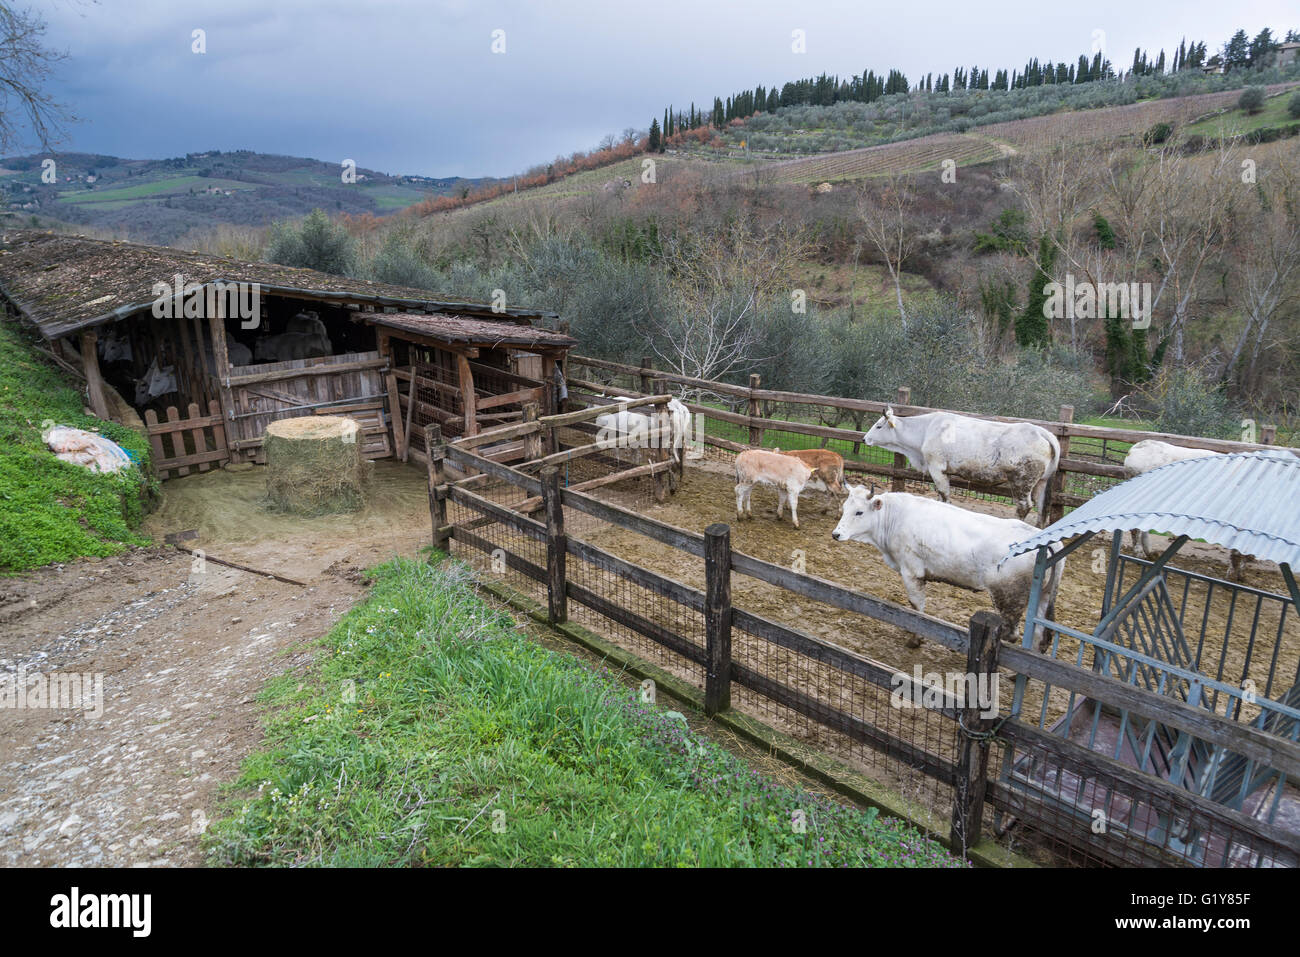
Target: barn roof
(470, 331)
(65, 283)
(1249, 501)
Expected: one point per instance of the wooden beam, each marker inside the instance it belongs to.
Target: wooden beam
(94, 381)
(467, 394)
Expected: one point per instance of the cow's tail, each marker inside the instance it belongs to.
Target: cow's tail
(1048, 475)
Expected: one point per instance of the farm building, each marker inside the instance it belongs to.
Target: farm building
(237, 345)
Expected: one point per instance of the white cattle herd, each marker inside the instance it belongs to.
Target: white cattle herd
(921, 539)
(934, 541)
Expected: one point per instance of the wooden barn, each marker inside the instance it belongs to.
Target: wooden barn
(204, 352)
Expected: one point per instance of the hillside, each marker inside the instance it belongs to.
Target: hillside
(158, 201)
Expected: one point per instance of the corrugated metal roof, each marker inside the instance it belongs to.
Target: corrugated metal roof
(478, 331)
(1249, 501)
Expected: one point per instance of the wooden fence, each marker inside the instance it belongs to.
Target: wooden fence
(980, 769)
(1087, 467)
(197, 442)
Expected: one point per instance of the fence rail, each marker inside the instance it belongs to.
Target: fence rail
(1083, 467)
(986, 769)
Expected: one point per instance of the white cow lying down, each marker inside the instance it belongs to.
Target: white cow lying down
(928, 541)
(759, 467)
(1151, 454)
(1017, 455)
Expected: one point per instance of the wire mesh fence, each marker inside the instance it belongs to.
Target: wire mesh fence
(1045, 793)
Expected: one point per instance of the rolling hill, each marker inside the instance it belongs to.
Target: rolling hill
(158, 201)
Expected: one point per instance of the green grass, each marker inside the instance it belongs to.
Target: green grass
(171, 186)
(463, 743)
(1237, 120)
(51, 510)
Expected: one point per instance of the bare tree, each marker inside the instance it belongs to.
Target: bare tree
(26, 64)
(890, 225)
(1266, 243)
(720, 280)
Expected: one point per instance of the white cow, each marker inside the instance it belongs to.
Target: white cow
(632, 429)
(1017, 455)
(761, 467)
(155, 382)
(1151, 454)
(115, 347)
(308, 323)
(291, 345)
(928, 541)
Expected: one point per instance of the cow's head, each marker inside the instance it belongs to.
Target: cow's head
(831, 477)
(885, 430)
(859, 516)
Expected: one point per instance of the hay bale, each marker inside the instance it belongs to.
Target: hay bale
(314, 465)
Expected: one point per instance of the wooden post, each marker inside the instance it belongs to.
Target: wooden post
(221, 371)
(717, 617)
(550, 405)
(1267, 434)
(557, 603)
(401, 440)
(755, 411)
(973, 758)
(659, 451)
(467, 396)
(533, 442)
(1054, 510)
(436, 452)
(94, 381)
(647, 386)
(898, 484)
(410, 412)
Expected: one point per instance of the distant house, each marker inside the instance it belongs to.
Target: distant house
(1288, 53)
(1212, 68)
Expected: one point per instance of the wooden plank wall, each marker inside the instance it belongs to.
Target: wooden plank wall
(256, 405)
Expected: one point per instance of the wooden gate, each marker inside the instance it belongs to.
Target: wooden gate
(351, 385)
(195, 443)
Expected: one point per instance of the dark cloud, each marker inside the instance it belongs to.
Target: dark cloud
(412, 86)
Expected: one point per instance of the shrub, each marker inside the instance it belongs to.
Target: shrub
(315, 243)
(1293, 105)
(1185, 402)
(1252, 99)
(1157, 134)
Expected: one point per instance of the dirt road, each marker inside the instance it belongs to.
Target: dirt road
(179, 650)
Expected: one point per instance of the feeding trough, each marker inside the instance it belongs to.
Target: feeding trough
(1182, 637)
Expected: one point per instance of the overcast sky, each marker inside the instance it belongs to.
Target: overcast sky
(412, 86)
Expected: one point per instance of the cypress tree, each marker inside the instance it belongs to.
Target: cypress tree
(1032, 328)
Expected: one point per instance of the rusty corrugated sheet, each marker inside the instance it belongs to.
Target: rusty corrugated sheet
(1249, 501)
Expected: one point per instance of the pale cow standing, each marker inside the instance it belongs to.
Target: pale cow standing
(928, 541)
(761, 467)
(1152, 454)
(1019, 456)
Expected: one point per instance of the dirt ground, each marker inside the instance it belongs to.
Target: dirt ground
(184, 647)
(707, 496)
(130, 778)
